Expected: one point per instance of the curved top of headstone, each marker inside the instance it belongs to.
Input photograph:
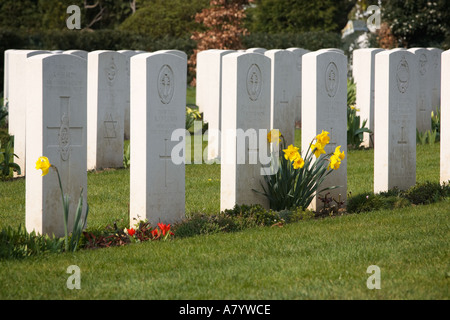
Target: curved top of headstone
(298, 50)
(275, 52)
(332, 50)
(179, 53)
(29, 53)
(256, 50)
(80, 53)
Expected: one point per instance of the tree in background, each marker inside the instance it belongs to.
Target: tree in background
(161, 18)
(43, 15)
(418, 23)
(223, 27)
(294, 16)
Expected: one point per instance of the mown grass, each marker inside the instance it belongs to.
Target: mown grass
(317, 259)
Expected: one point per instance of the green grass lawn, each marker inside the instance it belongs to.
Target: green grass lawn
(316, 259)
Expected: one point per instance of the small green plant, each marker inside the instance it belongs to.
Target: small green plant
(355, 130)
(126, 157)
(79, 222)
(3, 114)
(6, 160)
(436, 123)
(296, 180)
(18, 243)
(351, 92)
(239, 218)
(191, 116)
(428, 136)
(427, 192)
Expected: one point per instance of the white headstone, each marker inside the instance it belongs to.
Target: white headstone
(298, 53)
(126, 127)
(396, 78)
(435, 78)
(282, 105)
(324, 101)
(80, 53)
(423, 99)
(17, 90)
(107, 99)
(56, 128)
(212, 103)
(364, 77)
(256, 50)
(202, 81)
(158, 108)
(246, 96)
(445, 117)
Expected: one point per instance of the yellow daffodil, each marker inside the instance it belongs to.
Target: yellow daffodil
(318, 149)
(323, 138)
(339, 154)
(298, 161)
(335, 162)
(43, 164)
(274, 134)
(290, 152)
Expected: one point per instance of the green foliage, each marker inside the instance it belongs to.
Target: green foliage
(351, 92)
(292, 188)
(436, 123)
(421, 193)
(311, 40)
(126, 156)
(7, 159)
(294, 16)
(191, 116)
(3, 113)
(371, 202)
(428, 192)
(18, 244)
(239, 218)
(428, 136)
(355, 130)
(160, 18)
(33, 15)
(419, 23)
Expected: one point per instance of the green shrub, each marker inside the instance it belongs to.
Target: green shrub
(425, 193)
(18, 244)
(237, 219)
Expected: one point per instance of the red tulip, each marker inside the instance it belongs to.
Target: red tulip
(164, 228)
(155, 233)
(131, 231)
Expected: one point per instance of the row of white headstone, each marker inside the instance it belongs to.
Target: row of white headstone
(108, 97)
(72, 107)
(56, 109)
(399, 88)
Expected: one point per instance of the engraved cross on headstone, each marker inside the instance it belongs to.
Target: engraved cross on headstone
(332, 142)
(63, 136)
(165, 157)
(110, 127)
(284, 101)
(423, 111)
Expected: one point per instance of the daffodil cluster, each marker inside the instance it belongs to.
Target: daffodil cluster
(336, 158)
(322, 140)
(292, 154)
